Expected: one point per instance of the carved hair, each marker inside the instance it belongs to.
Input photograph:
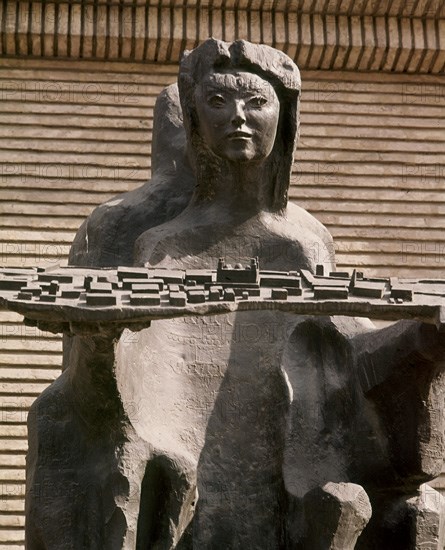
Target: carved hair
(270, 64)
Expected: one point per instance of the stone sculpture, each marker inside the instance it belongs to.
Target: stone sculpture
(254, 429)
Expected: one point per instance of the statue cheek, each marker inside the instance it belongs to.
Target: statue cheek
(219, 120)
(263, 120)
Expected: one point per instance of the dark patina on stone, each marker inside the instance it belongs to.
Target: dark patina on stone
(256, 429)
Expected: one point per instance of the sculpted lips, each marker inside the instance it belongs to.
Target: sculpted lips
(238, 134)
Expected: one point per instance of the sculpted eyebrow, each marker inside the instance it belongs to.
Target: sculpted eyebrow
(221, 88)
(232, 89)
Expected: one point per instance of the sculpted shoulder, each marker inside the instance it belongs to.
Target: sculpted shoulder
(108, 235)
(300, 217)
(300, 229)
(295, 240)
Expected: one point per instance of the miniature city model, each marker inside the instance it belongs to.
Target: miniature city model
(134, 296)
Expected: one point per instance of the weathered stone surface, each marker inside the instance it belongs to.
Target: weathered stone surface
(336, 514)
(214, 432)
(427, 514)
(413, 521)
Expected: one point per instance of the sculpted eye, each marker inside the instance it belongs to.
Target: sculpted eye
(257, 102)
(216, 101)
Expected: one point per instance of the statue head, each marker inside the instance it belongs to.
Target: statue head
(238, 114)
(240, 104)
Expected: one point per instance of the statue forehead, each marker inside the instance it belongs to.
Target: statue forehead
(235, 81)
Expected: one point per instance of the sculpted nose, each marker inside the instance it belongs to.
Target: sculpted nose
(239, 117)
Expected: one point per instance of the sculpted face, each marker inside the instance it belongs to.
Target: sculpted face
(238, 115)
